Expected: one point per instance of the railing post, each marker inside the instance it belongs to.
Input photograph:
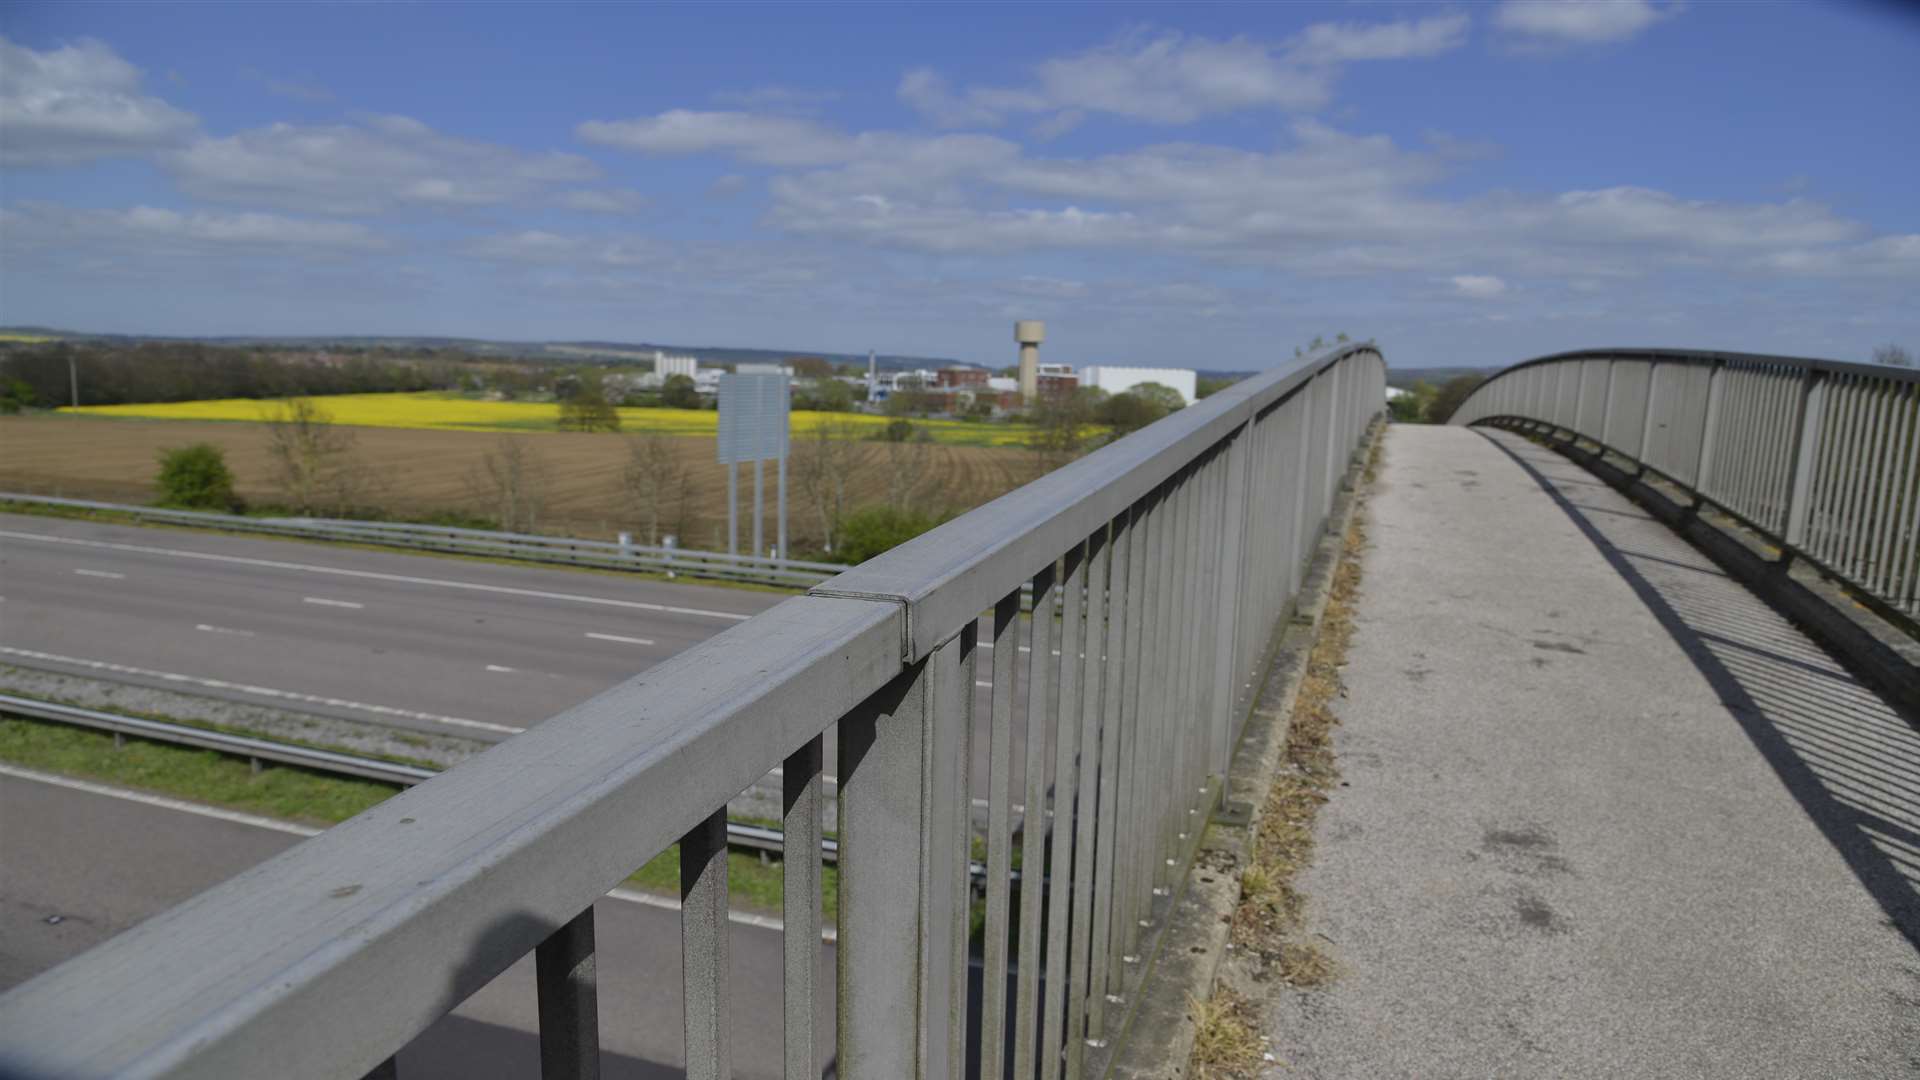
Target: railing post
(568, 1002)
(1646, 421)
(1806, 447)
(1229, 599)
(704, 948)
(1606, 407)
(903, 873)
(1716, 388)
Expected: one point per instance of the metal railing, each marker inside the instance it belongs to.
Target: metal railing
(1158, 566)
(525, 547)
(1820, 457)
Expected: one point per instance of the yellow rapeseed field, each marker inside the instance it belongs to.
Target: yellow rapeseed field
(449, 412)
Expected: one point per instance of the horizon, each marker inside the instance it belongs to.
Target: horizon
(1196, 186)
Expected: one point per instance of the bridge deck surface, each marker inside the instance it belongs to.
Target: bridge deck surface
(1604, 813)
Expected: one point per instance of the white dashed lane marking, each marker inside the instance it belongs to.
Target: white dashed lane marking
(260, 691)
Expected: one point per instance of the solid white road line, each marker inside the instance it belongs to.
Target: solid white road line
(162, 801)
(108, 574)
(261, 691)
(324, 602)
(371, 575)
(617, 637)
(497, 667)
(631, 896)
(223, 630)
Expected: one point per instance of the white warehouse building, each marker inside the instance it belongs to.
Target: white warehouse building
(1116, 380)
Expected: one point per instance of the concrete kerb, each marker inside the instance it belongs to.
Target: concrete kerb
(1156, 1036)
(1882, 657)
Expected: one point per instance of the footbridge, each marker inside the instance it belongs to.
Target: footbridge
(1631, 782)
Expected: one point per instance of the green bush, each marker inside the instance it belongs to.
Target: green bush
(868, 532)
(196, 477)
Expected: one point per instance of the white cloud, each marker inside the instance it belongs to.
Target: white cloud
(767, 140)
(1478, 286)
(1342, 42)
(79, 103)
(148, 228)
(604, 200)
(1326, 201)
(1165, 77)
(534, 247)
(377, 164)
(1578, 22)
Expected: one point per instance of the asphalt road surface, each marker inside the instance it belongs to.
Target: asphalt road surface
(145, 856)
(445, 645)
(452, 646)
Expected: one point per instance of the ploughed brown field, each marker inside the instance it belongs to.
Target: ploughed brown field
(420, 472)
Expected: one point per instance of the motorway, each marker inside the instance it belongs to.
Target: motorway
(456, 647)
(451, 646)
(144, 854)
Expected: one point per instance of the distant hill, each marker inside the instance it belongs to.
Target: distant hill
(564, 352)
(1404, 378)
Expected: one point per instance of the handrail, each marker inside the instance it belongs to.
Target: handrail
(1821, 458)
(1158, 566)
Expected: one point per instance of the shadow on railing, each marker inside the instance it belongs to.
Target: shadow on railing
(1850, 759)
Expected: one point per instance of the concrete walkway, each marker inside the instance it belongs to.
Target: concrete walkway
(1603, 814)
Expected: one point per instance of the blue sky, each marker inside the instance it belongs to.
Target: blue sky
(1179, 184)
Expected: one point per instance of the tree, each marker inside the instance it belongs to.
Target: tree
(1059, 426)
(1451, 395)
(1127, 412)
(909, 465)
(313, 459)
(811, 367)
(872, 530)
(512, 481)
(585, 406)
(1411, 407)
(15, 394)
(656, 480)
(1893, 356)
(823, 395)
(1207, 387)
(196, 477)
(680, 392)
(823, 463)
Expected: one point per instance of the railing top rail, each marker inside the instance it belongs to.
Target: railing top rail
(951, 574)
(1712, 355)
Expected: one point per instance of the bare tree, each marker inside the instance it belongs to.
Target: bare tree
(909, 465)
(512, 480)
(657, 481)
(1893, 356)
(312, 458)
(823, 463)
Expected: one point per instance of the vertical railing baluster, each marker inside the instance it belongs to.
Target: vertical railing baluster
(993, 986)
(1087, 803)
(800, 791)
(1063, 869)
(1126, 879)
(1041, 688)
(1113, 647)
(704, 947)
(568, 1002)
(1806, 440)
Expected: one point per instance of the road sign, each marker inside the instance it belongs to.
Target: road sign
(753, 418)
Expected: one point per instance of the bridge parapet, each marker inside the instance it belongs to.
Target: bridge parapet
(1157, 567)
(1821, 458)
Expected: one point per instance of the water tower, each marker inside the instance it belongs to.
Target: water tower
(1029, 333)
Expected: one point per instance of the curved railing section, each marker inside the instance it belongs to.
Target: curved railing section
(1820, 457)
(1157, 566)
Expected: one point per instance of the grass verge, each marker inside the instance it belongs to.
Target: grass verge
(312, 798)
(1226, 1040)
